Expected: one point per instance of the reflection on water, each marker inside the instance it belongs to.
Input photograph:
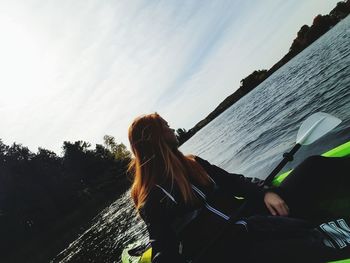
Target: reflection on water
(109, 232)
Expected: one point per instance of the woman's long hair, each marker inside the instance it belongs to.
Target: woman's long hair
(157, 162)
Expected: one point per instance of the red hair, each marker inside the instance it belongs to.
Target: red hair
(155, 161)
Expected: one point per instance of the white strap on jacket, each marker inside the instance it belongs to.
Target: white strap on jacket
(167, 193)
(209, 207)
(201, 194)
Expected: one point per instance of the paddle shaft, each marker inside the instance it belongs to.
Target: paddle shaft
(287, 158)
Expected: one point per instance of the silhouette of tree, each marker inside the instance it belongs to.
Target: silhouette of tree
(119, 150)
(42, 193)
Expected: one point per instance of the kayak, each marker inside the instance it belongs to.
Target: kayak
(145, 257)
(136, 253)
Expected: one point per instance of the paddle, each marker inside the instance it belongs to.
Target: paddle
(313, 128)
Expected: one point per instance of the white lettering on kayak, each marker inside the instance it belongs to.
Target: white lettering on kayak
(339, 233)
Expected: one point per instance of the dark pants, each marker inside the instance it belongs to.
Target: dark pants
(312, 192)
(318, 188)
(316, 191)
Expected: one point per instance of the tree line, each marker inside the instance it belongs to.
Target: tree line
(44, 197)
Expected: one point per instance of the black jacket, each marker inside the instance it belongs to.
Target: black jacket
(161, 209)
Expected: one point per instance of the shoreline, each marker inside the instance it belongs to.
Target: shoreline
(305, 37)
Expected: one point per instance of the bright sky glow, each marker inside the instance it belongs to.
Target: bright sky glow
(77, 70)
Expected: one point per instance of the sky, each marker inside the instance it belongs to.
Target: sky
(78, 70)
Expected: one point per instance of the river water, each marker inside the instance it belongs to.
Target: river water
(249, 137)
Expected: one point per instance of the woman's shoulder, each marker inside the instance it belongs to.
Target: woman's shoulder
(151, 203)
(156, 204)
(158, 195)
(154, 196)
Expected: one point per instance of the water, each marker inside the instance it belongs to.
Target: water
(107, 235)
(250, 136)
(247, 138)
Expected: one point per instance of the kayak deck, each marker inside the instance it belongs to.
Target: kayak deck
(340, 151)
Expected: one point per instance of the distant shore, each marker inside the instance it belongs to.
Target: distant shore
(306, 36)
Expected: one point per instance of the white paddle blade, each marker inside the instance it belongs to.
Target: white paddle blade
(315, 126)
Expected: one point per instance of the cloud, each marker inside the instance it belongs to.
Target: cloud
(78, 70)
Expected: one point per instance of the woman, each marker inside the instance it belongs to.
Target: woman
(189, 209)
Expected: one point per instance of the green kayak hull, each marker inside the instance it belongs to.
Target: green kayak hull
(340, 151)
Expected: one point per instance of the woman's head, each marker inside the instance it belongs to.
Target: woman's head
(148, 134)
(158, 160)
